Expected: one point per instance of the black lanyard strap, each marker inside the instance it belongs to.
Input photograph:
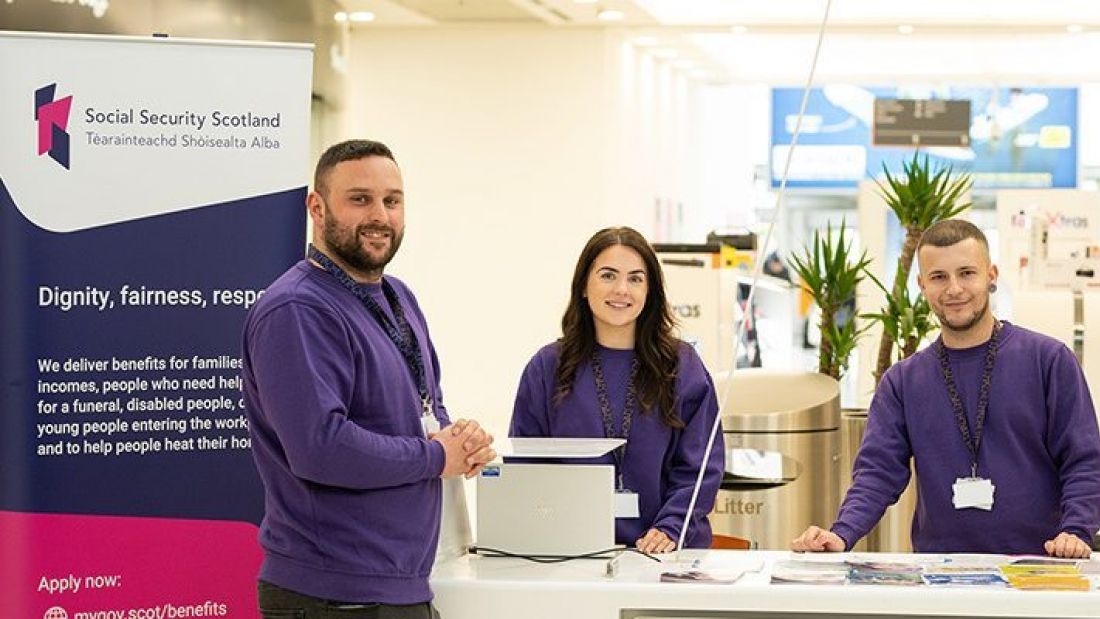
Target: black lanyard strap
(605, 409)
(972, 444)
(398, 330)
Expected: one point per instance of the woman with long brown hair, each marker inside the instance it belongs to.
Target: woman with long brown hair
(619, 372)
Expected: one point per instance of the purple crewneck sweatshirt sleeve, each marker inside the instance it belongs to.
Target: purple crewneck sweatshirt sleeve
(699, 408)
(307, 388)
(531, 410)
(881, 469)
(1072, 442)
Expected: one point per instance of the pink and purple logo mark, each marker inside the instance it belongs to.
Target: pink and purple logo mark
(53, 122)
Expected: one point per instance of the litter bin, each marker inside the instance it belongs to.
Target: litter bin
(782, 456)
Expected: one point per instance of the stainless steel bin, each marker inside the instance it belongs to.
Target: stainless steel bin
(782, 456)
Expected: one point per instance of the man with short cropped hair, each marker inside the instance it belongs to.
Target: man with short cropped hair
(997, 420)
(341, 386)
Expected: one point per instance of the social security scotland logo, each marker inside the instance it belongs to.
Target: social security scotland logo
(53, 122)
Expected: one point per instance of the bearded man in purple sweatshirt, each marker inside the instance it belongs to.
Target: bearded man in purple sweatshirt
(997, 419)
(349, 431)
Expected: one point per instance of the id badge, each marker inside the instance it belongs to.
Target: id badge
(430, 424)
(973, 492)
(626, 504)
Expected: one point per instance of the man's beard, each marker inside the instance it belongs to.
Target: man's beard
(347, 245)
(977, 317)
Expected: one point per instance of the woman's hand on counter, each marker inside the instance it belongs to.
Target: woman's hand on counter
(654, 541)
(816, 539)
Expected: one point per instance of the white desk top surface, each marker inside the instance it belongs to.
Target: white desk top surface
(477, 586)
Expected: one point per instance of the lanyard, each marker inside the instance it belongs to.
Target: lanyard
(605, 409)
(400, 333)
(972, 444)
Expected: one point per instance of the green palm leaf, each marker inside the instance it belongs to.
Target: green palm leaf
(831, 274)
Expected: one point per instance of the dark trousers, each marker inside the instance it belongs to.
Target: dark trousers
(279, 603)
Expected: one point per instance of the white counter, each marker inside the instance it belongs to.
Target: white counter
(476, 587)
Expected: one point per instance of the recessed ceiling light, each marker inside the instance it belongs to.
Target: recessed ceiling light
(645, 41)
(361, 16)
(1075, 28)
(341, 17)
(905, 29)
(739, 29)
(610, 15)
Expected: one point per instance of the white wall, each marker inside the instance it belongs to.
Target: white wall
(733, 139)
(516, 145)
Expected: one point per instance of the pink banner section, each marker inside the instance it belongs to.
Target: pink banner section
(112, 567)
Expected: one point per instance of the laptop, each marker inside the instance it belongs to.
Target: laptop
(545, 510)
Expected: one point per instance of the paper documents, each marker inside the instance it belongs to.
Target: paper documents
(545, 447)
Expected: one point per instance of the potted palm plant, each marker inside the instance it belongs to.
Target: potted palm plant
(831, 274)
(920, 196)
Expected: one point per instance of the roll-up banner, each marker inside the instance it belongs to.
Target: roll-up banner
(149, 190)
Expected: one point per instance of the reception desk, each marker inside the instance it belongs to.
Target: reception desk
(476, 587)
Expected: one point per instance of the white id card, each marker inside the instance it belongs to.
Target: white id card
(973, 492)
(626, 504)
(430, 424)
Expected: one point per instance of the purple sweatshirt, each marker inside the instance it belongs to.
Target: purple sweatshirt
(352, 486)
(661, 464)
(1040, 448)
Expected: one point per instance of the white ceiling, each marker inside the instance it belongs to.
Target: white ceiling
(941, 12)
(454, 12)
(723, 13)
(725, 38)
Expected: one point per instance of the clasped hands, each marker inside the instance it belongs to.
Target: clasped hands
(467, 447)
